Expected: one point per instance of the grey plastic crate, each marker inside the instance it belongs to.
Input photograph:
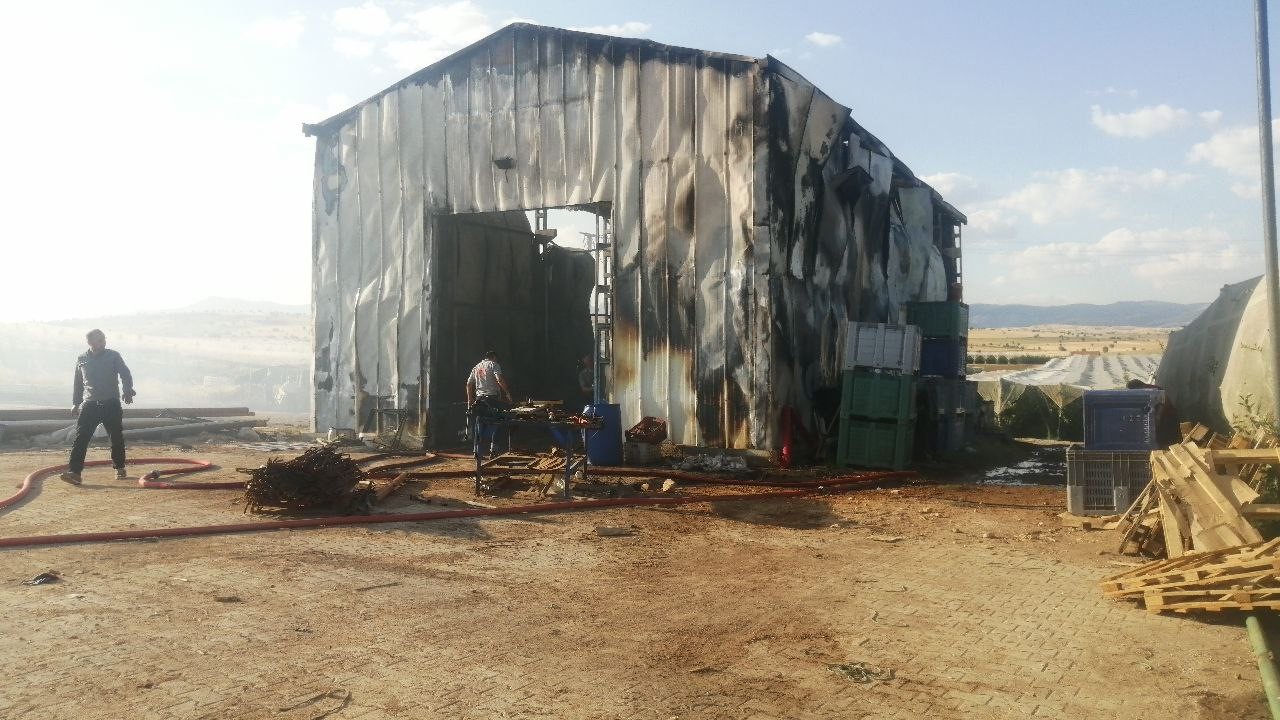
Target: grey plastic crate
(882, 346)
(1103, 483)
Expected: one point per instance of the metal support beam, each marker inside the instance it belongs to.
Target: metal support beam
(1268, 196)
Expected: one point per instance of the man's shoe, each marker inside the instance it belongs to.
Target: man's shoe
(121, 474)
(70, 477)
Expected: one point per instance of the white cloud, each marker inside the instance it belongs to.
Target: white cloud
(822, 39)
(1148, 121)
(1234, 150)
(367, 19)
(353, 48)
(277, 32)
(986, 225)
(1064, 193)
(461, 18)
(436, 32)
(630, 28)
(957, 188)
(1122, 264)
(1248, 191)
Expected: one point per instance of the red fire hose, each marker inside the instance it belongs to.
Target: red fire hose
(797, 490)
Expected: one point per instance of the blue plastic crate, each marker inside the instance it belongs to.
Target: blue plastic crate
(1121, 420)
(944, 357)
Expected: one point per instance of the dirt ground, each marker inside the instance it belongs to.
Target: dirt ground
(975, 598)
(1059, 340)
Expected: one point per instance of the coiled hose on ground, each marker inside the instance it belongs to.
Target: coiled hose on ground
(151, 480)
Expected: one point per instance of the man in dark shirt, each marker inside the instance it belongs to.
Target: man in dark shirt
(95, 399)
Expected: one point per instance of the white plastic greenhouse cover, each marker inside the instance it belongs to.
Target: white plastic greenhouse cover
(1216, 369)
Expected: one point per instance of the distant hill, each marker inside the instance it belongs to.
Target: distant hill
(240, 305)
(1146, 313)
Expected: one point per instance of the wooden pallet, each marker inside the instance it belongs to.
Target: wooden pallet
(1244, 577)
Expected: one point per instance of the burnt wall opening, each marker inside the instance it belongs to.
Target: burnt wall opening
(500, 286)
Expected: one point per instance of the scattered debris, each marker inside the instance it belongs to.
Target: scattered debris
(343, 696)
(44, 578)
(1087, 522)
(714, 463)
(886, 538)
(379, 586)
(861, 672)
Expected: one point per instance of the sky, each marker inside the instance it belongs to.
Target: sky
(1102, 151)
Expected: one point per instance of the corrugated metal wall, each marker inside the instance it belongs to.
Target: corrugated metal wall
(751, 218)
(537, 118)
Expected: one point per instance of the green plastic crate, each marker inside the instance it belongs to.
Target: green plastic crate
(939, 319)
(877, 395)
(875, 444)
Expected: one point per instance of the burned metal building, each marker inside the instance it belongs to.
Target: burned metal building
(744, 216)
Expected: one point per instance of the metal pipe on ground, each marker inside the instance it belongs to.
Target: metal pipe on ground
(130, 412)
(19, 428)
(191, 429)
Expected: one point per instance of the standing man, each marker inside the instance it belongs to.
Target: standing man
(486, 382)
(487, 387)
(95, 399)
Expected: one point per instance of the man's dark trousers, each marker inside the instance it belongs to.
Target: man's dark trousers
(93, 413)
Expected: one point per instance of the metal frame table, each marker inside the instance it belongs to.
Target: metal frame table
(561, 432)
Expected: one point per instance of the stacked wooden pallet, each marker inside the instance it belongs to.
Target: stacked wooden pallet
(1194, 503)
(1242, 578)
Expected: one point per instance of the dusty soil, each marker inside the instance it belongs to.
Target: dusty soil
(973, 596)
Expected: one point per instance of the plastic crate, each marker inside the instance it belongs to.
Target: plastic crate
(944, 357)
(1103, 483)
(1121, 420)
(945, 434)
(641, 453)
(940, 319)
(878, 345)
(874, 395)
(875, 444)
(947, 396)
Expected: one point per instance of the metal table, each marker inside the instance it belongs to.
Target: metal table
(562, 433)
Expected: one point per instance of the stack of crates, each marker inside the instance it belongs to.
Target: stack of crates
(951, 401)
(1114, 463)
(878, 396)
(949, 414)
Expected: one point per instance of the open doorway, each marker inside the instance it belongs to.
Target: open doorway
(515, 283)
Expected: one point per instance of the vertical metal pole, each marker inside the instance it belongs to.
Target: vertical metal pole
(1268, 196)
(1266, 663)
(597, 332)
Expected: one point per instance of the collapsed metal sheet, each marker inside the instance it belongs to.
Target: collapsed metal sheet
(751, 217)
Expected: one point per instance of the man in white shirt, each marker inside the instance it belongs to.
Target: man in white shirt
(487, 387)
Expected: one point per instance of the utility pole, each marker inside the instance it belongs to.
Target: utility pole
(1268, 196)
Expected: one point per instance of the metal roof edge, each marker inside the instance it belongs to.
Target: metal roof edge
(334, 121)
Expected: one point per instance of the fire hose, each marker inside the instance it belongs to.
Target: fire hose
(150, 480)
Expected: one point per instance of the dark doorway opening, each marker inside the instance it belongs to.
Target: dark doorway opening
(500, 285)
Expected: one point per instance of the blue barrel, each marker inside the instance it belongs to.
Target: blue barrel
(604, 446)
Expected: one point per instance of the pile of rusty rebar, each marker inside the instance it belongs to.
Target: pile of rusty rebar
(319, 479)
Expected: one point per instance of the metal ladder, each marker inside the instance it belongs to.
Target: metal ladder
(601, 246)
